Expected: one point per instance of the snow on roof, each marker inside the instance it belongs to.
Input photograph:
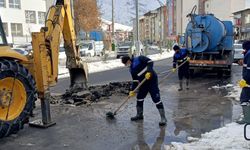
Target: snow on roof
(118, 26)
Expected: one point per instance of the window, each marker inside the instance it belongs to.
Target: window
(30, 16)
(15, 4)
(247, 19)
(5, 29)
(16, 29)
(41, 17)
(2, 3)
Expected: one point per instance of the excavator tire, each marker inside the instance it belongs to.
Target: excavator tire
(17, 96)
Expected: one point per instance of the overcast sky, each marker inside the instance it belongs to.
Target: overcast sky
(122, 14)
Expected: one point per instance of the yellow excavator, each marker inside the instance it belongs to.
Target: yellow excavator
(23, 79)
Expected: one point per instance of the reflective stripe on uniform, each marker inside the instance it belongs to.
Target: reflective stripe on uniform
(143, 71)
(248, 67)
(150, 61)
(140, 100)
(184, 59)
(158, 103)
(244, 65)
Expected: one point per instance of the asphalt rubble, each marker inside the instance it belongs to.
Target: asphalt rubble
(92, 95)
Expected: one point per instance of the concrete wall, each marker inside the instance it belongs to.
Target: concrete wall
(187, 7)
(13, 15)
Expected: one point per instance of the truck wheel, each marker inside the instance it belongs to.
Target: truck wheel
(228, 72)
(219, 73)
(17, 96)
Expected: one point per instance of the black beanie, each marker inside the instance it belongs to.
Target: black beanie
(125, 59)
(246, 45)
(176, 47)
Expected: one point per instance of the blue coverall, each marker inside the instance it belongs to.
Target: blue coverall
(138, 68)
(179, 58)
(245, 93)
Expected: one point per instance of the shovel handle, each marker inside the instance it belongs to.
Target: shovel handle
(172, 72)
(125, 101)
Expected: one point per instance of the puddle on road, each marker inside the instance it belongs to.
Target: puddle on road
(190, 113)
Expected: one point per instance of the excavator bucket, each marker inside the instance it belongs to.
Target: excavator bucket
(79, 78)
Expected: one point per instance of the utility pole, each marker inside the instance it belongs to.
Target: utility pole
(137, 44)
(113, 20)
(113, 27)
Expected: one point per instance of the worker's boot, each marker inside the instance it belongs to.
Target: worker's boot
(241, 119)
(245, 117)
(180, 89)
(187, 84)
(139, 115)
(163, 118)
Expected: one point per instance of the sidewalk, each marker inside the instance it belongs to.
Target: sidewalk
(110, 64)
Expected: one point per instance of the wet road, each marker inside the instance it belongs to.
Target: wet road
(189, 113)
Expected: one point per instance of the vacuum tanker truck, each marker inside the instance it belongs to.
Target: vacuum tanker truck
(210, 43)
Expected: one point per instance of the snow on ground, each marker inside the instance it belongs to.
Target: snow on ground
(230, 137)
(110, 64)
(235, 93)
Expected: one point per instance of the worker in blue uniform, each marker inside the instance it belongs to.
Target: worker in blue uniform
(142, 67)
(245, 84)
(180, 57)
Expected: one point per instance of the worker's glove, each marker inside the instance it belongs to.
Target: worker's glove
(188, 58)
(243, 83)
(148, 75)
(131, 93)
(174, 69)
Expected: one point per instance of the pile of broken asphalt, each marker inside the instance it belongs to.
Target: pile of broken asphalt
(93, 94)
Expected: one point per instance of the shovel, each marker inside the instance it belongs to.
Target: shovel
(111, 115)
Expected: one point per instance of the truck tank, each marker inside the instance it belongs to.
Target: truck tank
(206, 33)
(209, 42)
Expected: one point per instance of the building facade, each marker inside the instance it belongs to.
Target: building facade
(168, 22)
(152, 26)
(242, 24)
(21, 17)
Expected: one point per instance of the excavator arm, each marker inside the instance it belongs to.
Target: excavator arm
(59, 23)
(22, 78)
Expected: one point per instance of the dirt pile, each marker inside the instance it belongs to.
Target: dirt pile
(93, 94)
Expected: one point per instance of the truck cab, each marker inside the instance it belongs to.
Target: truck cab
(87, 49)
(91, 48)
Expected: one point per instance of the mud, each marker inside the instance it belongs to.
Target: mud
(93, 94)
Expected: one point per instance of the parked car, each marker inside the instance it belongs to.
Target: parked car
(124, 49)
(21, 51)
(91, 48)
(238, 52)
